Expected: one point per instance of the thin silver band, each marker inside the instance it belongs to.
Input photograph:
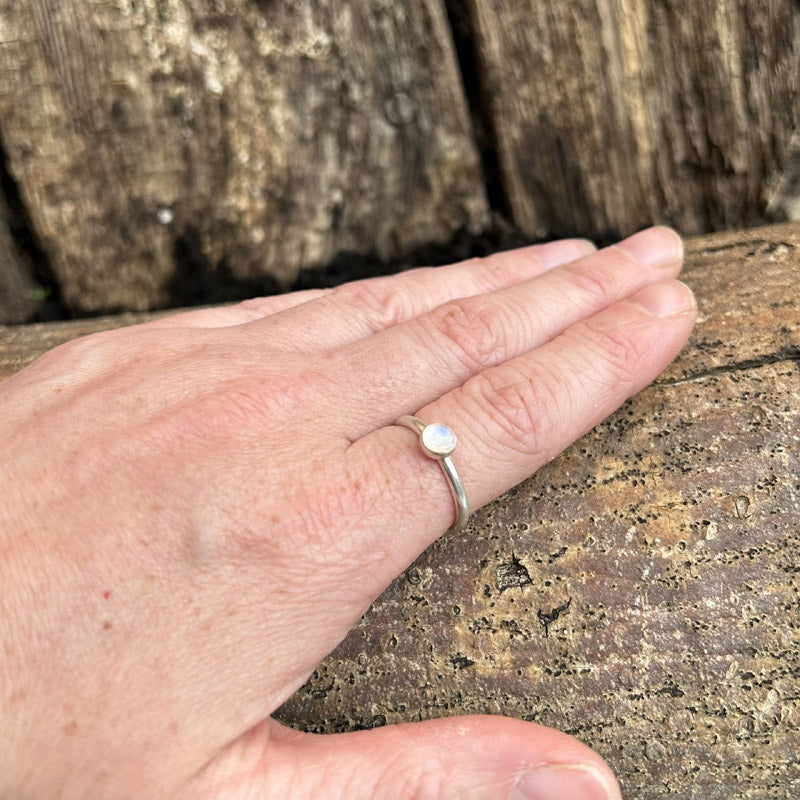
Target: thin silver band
(448, 468)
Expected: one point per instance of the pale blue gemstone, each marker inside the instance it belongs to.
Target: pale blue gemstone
(438, 439)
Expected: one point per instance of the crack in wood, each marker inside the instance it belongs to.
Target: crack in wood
(770, 245)
(473, 78)
(33, 258)
(791, 355)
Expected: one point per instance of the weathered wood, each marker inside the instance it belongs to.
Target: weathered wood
(168, 137)
(612, 114)
(22, 344)
(641, 591)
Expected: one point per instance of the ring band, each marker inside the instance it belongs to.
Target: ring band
(438, 442)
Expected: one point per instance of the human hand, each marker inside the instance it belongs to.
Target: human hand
(196, 510)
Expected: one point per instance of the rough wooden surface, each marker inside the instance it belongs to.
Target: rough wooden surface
(610, 114)
(183, 137)
(641, 591)
(167, 144)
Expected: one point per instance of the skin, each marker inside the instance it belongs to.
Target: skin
(197, 510)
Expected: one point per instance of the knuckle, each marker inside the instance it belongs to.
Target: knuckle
(238, 403)
(518, 406)
(618, 351)
(324, 508)
(247, 401)
(424, 778)
(331, 511)
(500, 270)
(599, 284)
(83, 358)
(382, 302)
(81, 351)
(252, 308)
(474, 328)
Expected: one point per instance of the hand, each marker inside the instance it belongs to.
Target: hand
(195, 512)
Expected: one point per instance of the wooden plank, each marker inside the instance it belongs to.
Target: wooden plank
(191, 140)
(641, 591)
(613, 114)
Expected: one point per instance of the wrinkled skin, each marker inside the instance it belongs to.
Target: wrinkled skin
(195, 512)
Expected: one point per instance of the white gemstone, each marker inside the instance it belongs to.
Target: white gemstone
(438, 439)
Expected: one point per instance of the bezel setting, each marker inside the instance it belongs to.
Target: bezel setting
(438, 440)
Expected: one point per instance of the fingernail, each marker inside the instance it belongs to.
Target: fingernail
(664, 299)
(584, 246)
(655, 247)
(554, 254)
(564, 782)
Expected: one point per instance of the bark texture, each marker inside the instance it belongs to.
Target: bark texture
(612, 114)
(155, 140)
(641, 591)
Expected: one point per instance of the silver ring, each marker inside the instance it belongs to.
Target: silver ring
(438, 442)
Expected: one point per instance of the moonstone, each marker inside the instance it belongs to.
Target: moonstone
(438, 440)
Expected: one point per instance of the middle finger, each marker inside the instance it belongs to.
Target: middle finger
(356, 310)
(407, 366)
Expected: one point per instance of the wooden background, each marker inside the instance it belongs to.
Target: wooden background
(162, 152)
(641, 591)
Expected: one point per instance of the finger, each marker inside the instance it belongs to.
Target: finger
(513, 418)
(359, 297)
(466, 758)
(356, 310)
(420, 360)
(238, 313)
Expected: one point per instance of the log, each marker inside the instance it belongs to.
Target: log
(641, 591)
(170, 141)
(609, 115)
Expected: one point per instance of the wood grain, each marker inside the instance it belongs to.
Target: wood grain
(196, 137)
(641, 591)
(609, 115)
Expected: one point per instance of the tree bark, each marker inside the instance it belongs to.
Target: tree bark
(609, 115)
(163, 140)
(641, 590)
